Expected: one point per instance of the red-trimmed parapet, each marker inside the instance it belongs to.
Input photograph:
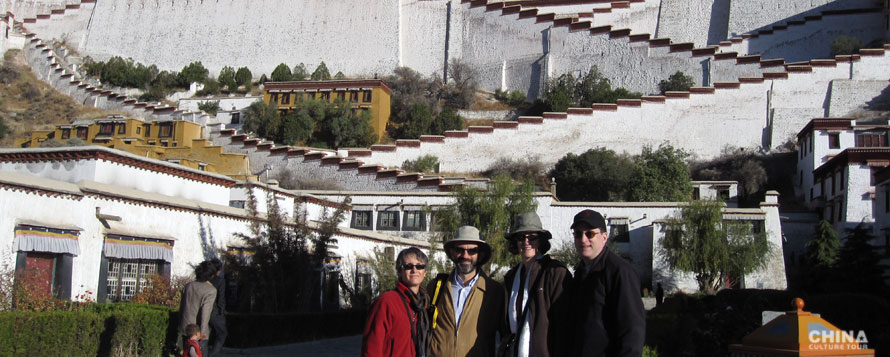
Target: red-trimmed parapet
(772, 63)
(604, 107)
(659, 42)
(480, 129)
(235, 138)
(294, 152)
(227, 132)
(823, 63)
(478, 3)
(676, 95)
(457, 133)
(702, 52)
(529, 13)
(358, 152)
(727, 85)
(503, 124)
(579, 111)
(643, 37)
(653, 98)
(510, 10)
(313, 156)
(410, 177)
(775, 75)
(751, 79)
(57, 12)
(747, 59)
(701, 90)
(251, 142)
(549, 17)
(871, 52)
(408, 143)
(799, 69)
(619, 33)
(331, 160)
(385, 174)
(494, 6)
(279, 151)
(264, 146)
(629, 103)
(846, 58)
(369, 169)
(432, 138)
(530, 120)
(429, 181)
(599, 30)
(72, 6)
(554, 115)
(579, 26)
(681, 47)
(383, 148)
(350, 165)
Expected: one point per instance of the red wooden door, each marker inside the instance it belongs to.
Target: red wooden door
(40, 271)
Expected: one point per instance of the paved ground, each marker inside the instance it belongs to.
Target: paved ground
(342, 346)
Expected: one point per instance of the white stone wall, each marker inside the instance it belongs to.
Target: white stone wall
(703, 22)
(641, 17)
(225, 103)
(32, 8)
(813, 38)
(858, 204)
(750, 15)
(258, 34)
(880, 212)
(69, 27)
(848, 96)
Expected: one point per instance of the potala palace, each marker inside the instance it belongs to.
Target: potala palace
(763, 71)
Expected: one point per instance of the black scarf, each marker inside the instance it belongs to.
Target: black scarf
(420, 330)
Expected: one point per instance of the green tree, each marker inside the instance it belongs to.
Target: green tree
(341, 128)
(425, 164)
(845, 45)
(660, 175)
(211, 86)
(859, 264)
(559, 93)
(460, 90)
(281, 73)
(300, 72)
(822, 250)
(678, 81)
(299, 125)
(210, 107)
(243, 77)
(262, 119)
(491, 210)
(281, 275)
(226, 79)
(598, 175)
(701, 242)
(446, 120)
(321, 73)
(594, 87)
(193, 72)
(339, 75)
(417, 124)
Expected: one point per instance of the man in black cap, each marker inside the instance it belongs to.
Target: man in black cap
(610, 320)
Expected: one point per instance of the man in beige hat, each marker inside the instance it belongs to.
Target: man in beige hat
(468, 306)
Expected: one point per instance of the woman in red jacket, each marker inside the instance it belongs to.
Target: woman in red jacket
(398, 324)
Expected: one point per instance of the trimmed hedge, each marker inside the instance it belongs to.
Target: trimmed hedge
(101, 330)
(255, 330)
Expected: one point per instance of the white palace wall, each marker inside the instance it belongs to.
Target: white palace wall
(749, 15)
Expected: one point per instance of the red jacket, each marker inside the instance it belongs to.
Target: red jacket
(191, 343)
(388, 330)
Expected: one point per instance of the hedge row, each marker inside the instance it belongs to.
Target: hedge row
(102, 330)
(254, 330)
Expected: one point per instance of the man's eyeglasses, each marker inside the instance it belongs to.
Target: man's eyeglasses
(414, 266)
(470, 251)
(589, 233)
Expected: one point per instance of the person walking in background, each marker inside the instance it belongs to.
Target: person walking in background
(468, 306)
(659, 295)
(218, 315)
(609, 318)
(196, 303)
(537, 308)
(398, 323)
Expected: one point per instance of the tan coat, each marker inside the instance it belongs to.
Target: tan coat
(482, 318)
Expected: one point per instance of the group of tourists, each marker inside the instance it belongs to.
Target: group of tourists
(539, 309)
(202, 311)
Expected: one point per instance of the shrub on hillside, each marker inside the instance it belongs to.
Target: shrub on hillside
(597, 175)
(300, 72)
(420, 106)
(321, 73)
(678, 81)
(8, 73)
(210, 107)
(243, 78)
(565, 91)
(513, 99)
(845, 45)
(193, 72)
(425, 164)
(530, 168)
(281, 73)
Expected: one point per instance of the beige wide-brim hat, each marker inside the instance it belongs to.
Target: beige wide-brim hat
(470, 234)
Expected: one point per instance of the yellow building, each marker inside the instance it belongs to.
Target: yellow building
(175, 141)
(364, 94)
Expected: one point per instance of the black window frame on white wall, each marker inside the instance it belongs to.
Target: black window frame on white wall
(420, 219)
(388, 215)
(360, 215)
(148, 255)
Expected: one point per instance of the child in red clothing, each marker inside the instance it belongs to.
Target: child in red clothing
(192, 347)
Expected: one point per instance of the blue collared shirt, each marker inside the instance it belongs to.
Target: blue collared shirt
(460, 293)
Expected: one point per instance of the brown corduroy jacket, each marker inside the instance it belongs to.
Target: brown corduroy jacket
(482, 318)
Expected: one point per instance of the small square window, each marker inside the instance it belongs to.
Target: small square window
(414, 221)
(165, 130)
(361, 219)
(82, 132)
(66, 133)
(834, 141)
(106, 129)
(388, 220)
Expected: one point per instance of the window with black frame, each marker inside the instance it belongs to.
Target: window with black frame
(361, 220)
(414, 220)
(129, 265)
(388, 220)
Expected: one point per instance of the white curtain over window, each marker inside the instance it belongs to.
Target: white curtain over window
(44, 239)
(124, 247)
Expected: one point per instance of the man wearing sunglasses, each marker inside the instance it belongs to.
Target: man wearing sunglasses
(468, 306)
(610, 319)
